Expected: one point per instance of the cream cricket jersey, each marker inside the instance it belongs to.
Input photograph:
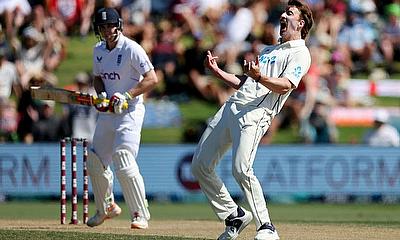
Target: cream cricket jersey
(291, 60)
(121, 68)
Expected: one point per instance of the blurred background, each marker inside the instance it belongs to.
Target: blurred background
(347, 103)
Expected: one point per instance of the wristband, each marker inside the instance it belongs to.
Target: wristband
(128, 95)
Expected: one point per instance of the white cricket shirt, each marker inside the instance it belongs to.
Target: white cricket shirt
(123, 67)
(291, 60)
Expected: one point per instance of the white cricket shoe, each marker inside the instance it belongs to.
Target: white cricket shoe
(235, 225)
(267, 232)
(113, 211)
(139, 222)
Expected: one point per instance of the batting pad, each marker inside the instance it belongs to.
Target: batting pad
(102, 182)
(131, 182)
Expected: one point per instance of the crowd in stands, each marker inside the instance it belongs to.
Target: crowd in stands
(350, 37)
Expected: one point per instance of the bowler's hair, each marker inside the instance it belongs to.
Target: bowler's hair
(305, 14)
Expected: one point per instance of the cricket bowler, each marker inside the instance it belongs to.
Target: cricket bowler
(244, 119)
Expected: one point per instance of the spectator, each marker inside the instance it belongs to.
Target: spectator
(321, 129)
(35, 57)
(81, 119)
(8, 121)
(390, 39)
(48, 126)
(9, 82)
(200, 85)
(28, 111)
(14, 14)
(357, 42)
(382, 133)
(135, 13)
(73, 13)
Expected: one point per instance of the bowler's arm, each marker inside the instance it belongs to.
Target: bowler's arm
(232, 80)
(278, 85)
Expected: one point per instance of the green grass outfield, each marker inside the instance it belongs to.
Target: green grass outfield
(40, 220)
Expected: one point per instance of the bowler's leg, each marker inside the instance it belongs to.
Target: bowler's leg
(244, 151)
(211, 148)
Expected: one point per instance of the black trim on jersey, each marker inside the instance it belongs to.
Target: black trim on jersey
(280, 75)
(265, 96)
(242, 79)
(276, 103)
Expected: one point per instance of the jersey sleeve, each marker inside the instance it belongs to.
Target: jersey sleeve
(297, 66)
(140, 60)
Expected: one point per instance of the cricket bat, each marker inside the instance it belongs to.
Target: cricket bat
(66, 96)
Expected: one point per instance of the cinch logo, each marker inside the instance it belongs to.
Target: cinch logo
(110, 76)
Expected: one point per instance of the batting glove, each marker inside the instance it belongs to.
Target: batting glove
(102, 105)
(117, 102)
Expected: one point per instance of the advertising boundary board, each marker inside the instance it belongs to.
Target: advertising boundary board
(34, 170)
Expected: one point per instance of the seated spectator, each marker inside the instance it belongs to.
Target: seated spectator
(200, 85)
(390, 38)
(321, 129)
(80, 119)
(8, 120)
(9, 82)
(357, 42)
(36, 56)
(6, 45)
(136, 15)
(28, 110)
(73, 13)
(48, 126)
(382, 133)
(14, 14)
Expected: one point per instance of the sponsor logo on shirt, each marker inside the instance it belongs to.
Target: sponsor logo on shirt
(267, 59)
(143, 64)
(297, 72)
(99, 59)
(110, 76)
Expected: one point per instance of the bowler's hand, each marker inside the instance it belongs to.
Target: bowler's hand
(252, 69)
(211, 62)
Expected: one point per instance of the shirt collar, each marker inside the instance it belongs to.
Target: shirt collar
(120, 43)
(293, 43)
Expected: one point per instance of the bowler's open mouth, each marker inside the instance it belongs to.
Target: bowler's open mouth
(283, 25)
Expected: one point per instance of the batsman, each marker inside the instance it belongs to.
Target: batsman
(122, 72)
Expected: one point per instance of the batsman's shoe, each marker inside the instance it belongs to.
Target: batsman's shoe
(139, 222)
(267, 232)
(113, 211)
(235, 225)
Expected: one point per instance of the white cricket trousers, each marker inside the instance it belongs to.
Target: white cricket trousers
(114, 131)
(241, 127)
